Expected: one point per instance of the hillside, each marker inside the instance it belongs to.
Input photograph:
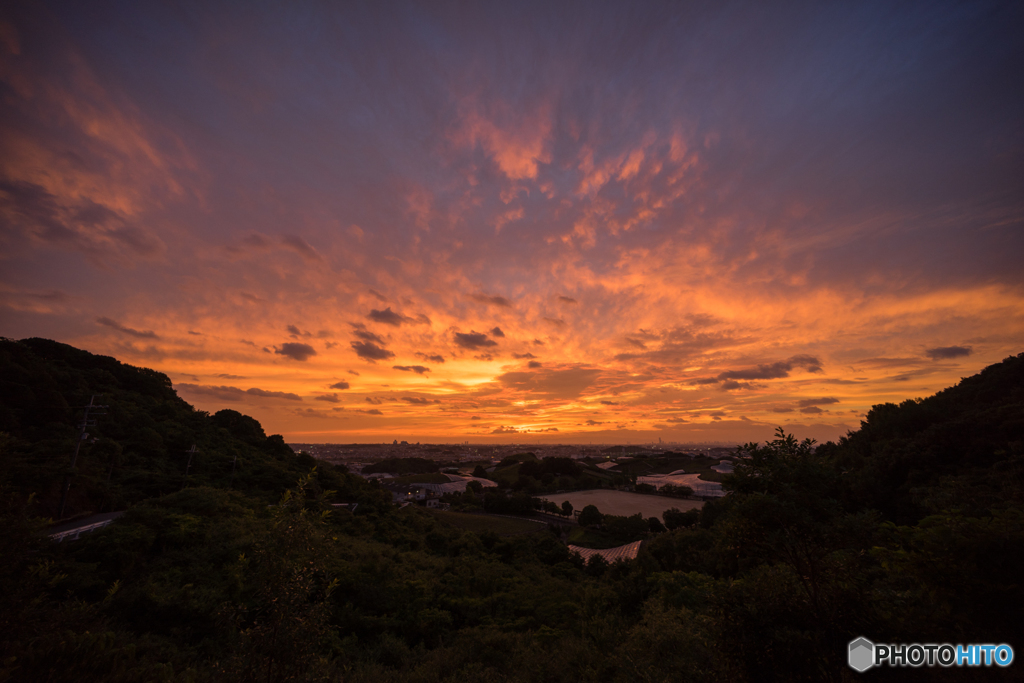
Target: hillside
(910, 529)
(960, 448)
(137, 448)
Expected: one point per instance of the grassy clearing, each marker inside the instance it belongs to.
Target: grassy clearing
(503, 526)
(622, 503)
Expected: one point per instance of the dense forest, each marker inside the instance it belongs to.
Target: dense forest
(908, 530)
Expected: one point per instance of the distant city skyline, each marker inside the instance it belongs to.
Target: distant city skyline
(530, 222)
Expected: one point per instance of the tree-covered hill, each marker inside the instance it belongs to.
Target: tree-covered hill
(910, 529)
(137, 448)
(960, 448)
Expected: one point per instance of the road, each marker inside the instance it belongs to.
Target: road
(71, 530)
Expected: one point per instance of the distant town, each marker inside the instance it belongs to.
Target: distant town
(438, 475)
(356, 456)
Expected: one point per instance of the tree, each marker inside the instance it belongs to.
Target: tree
(796, 545)
(479, 472)
(596, 565)
(590, 516)
(677, 491)
(625, 529)
(567, 508)
(285, 588)
(675, 518)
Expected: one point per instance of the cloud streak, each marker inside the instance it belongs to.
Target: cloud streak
(296, 351)
(473, 340)
(776, 370)
(234, 394)
(388, 317)
(418, 369)
(948, 352)
(114, 325)
(371, 352)
(499, 301)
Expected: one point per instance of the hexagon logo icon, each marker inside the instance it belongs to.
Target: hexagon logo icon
(862, 654)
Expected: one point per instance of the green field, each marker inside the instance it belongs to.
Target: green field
(622, 503)
(503, 526)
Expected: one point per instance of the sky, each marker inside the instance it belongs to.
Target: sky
(559, 222)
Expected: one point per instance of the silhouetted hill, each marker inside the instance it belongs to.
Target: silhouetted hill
(961, 448)
(137, 448)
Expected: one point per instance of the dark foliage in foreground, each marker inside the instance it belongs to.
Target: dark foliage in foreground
(908, 530)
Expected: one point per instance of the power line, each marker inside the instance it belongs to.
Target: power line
(234, 461)
(191, 452)
(82, 436)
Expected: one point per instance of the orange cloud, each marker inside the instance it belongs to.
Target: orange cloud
(516, 141)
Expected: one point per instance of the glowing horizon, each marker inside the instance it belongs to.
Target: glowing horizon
(496, 224)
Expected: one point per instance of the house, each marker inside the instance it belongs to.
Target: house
(404, 492)
(410, 492)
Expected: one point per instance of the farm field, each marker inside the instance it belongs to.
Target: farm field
(699, 483)
(503, 526)
(623, 503)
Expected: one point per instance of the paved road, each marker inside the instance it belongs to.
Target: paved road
(84, 522)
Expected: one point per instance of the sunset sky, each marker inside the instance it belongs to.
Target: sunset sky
(509, 221)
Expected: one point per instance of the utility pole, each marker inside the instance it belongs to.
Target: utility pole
(233, 461)
(82, 436)
(192, 451)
